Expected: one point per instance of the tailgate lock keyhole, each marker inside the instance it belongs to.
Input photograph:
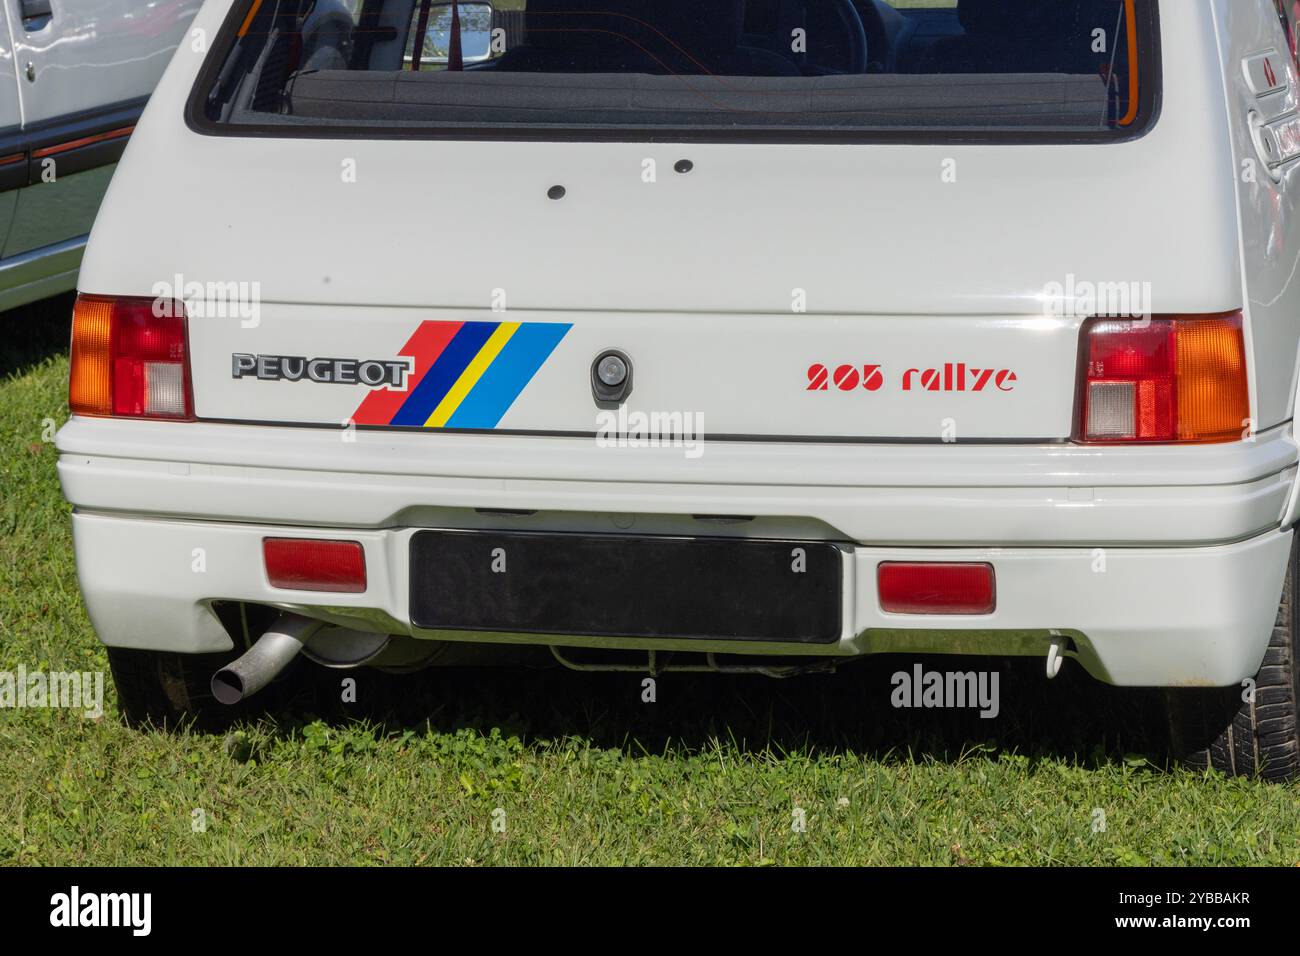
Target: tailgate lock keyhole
(611, 378)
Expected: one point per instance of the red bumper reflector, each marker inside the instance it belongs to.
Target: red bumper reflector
(937, 588)
(309, 564)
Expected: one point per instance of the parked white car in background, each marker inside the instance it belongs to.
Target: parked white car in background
(747, 336)
(74, 78)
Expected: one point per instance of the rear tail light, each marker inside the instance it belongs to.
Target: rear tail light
(309, 564)
(130, 359)
(1170, 379)
(935, 588)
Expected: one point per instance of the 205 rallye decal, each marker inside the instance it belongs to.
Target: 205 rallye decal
(464, 374)
(951, 377)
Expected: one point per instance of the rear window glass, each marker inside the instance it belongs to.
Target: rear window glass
(648, 68)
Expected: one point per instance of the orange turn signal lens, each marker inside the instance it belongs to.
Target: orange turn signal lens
(90, 391)
(1213, 401)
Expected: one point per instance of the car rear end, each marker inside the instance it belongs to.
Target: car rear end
(727, 366)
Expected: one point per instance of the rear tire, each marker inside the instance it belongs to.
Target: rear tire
(163, 689)
(1245, 734)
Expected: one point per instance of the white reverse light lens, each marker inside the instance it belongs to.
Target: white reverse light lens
(1110, 410)
(164, 392)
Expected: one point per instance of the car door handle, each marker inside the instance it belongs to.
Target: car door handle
(34, 9)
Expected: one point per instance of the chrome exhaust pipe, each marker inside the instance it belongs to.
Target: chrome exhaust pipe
(269, 655)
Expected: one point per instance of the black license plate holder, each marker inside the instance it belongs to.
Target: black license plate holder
(635, 586)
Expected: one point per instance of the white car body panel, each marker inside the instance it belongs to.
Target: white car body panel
(72, 84)
(898, 268)
(93, 52)
(769, 396)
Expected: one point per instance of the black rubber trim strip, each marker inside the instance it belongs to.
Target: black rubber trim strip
(78, 156)
(14, 171)
(1150, 91)
(77, 143)
(720, 437)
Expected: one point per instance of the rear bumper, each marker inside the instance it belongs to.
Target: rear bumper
(919, 494)
(1163, 566)
(1136, 616)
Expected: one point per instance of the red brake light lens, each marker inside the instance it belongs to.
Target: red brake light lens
(130, 359)
(309, 564)
(935, 588)
(1169, 379)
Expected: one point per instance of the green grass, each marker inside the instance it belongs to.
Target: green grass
(584, 772)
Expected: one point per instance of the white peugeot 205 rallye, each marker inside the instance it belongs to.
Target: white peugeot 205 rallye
(748, 335)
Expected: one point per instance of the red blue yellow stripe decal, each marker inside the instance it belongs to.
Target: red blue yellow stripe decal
(465, 374)
(423, 348)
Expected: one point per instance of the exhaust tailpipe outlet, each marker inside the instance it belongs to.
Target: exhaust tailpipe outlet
(269, 655)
